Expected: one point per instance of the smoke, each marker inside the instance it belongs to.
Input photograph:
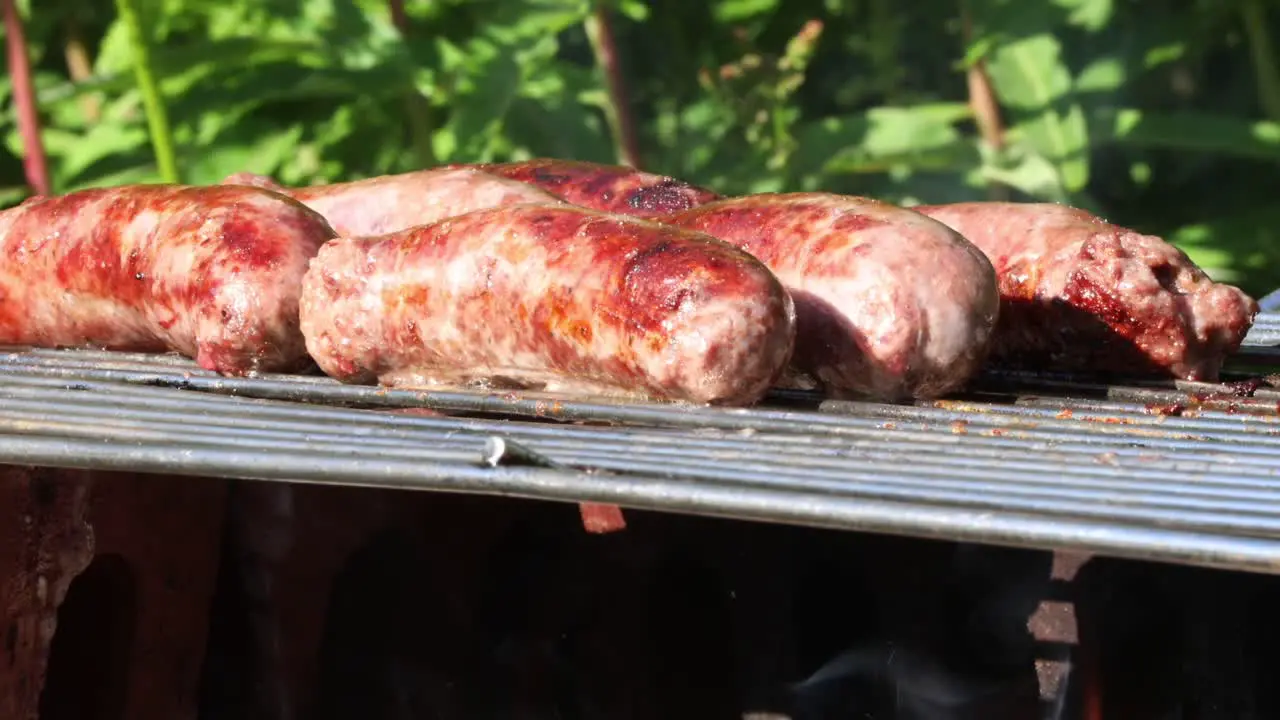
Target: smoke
(883, 680)
(974, 660)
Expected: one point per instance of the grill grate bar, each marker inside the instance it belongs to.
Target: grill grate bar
(710, 499)
(1242, 489)
(1112, 419)
(867, 476)
(835, 458)
(1143, 449)
(1182, 472)
(1166, 432)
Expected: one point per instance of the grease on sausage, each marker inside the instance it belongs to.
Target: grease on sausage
(378, 205)
(889, 304)
(549, 297)
(1079, 293)
(610, 188)
(211, 272)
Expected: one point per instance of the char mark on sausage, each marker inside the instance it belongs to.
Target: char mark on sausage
(889, 303)
(1081, 294)
(549, 297)
(379, 205)
(610, 188)
(211, 272)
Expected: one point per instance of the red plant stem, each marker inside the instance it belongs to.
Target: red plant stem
(986, 112)
(34, 163)
(80, 68)
(605, 48)
(399, 17)
(983, 103)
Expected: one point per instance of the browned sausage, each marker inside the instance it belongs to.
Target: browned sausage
(549, 297)
(889, 303)
(379, 205)
(1082, 294)
(611, 188)
(211, 272)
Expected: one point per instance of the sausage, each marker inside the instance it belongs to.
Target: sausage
(889, 304)
(210, 272)
(610, 188)
(379, 205)
(1081, 294)
(549, 297)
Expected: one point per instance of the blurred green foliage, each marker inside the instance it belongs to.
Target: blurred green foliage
(1163, 115)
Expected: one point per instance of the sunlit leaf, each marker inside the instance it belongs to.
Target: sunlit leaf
(1091, 15)
(1030, 78)
(1163, 54)
(262, 153)
(477, 116)
(134, 174)
(1241, 248)
(1103, 75)
(925, 136)
(723, 93)
(634, 10)
(739, 10)
(1190, 131)
(82, 152)
(10, 196)
(1030, 173)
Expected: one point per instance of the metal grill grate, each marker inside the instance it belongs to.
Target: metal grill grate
(1182, 472)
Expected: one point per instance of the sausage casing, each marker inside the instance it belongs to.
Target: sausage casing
(889, 303)
(1081, 294)
(211, 272)
(379, 205)
(610, 188)
(549, 297)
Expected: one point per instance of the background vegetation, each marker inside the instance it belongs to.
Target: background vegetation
(1159, 114)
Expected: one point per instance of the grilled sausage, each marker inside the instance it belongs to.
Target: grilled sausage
(211, 272)
(611, 188)
(549, 297)
(889, 304)
(379, 205)
(1079, 293)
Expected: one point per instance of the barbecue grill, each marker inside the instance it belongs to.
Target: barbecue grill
(1173, 471)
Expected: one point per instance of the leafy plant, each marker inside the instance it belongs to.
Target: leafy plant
(1163, 115)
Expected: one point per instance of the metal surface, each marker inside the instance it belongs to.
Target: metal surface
(1181, 472)
(1266, 327)
(1270, 302)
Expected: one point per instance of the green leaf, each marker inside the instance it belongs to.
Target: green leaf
(262, 152)
(77, 154)
(693, 136)
(730, 11)
(765, 184)
(535, 21)
(1031, 79)
(922, 136)
(1092, 15)
(537, 127)
(1243, 248)
(1164, 54)
(1103, 75)
(10, 196)
(134, 174)
(1030, 173)
(472, 128)
(920, 188)
(634, 10)
(1199, 132)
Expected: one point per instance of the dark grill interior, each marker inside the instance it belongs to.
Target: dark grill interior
(973, 595)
